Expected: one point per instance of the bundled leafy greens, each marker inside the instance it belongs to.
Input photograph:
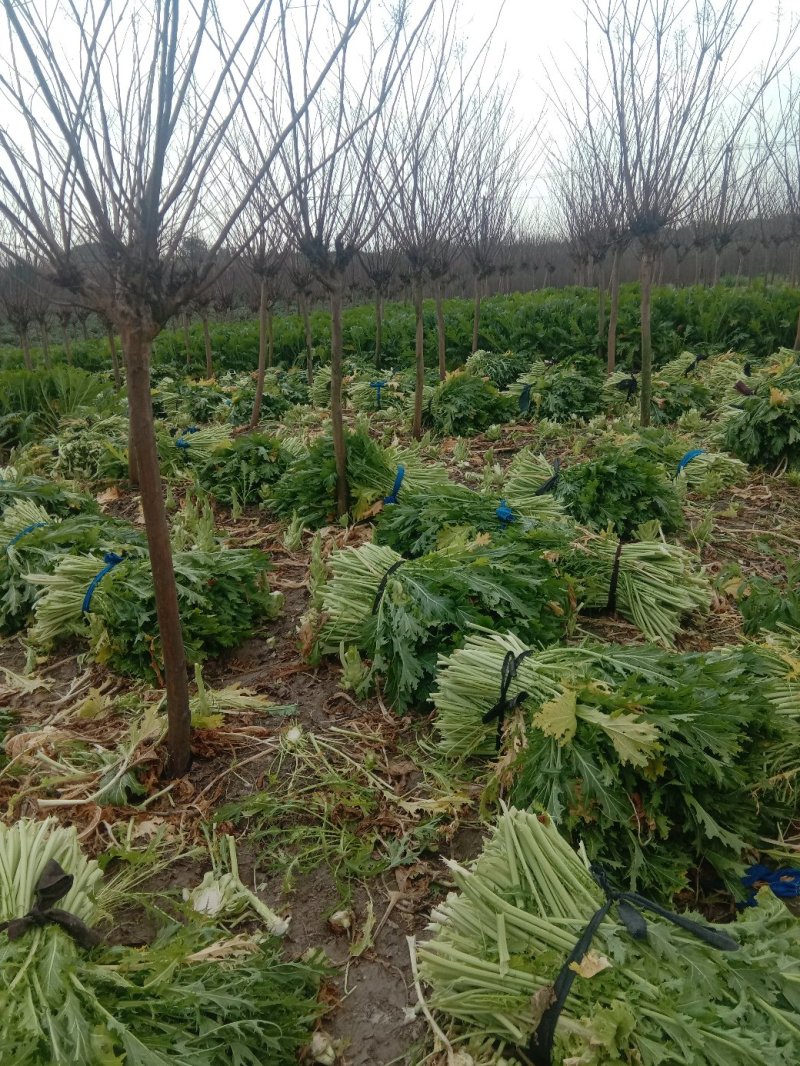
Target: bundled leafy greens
(308, 487)
(403, 613)
(31, 540)
(621, 489)
(242, 474)
(500, 369)
(223, 596)
(670, 999)
(465, 404)
(196, 996)
(766, 430)
(649, 582)
(56, 497)
(657, 762)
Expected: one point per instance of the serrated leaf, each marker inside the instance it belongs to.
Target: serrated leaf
(635, 740)
(558, 718)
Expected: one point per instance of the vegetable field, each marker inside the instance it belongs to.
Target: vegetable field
(499, 766)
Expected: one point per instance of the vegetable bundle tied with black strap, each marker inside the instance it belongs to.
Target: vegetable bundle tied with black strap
(679, 997)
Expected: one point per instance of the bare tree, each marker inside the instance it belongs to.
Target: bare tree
(17, 286)
(330, 164)
(264, 258)
(664, 85)
(785, 158)
(496, 158)
(301, 279)
(123, 115)
(380, 266)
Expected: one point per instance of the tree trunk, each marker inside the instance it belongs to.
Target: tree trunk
(476, 317)
(601, 305)
(209, 353)
(84, 330)
(262, 354)
(137, 349)
(67, 344)
(419, 351)
(45, 336)
(309, 339)
(378, 329)
(337, 421)
(440, 333)
(697, 266)
(187, 342)
(646, 377)
(26, 349)
(797, 336)
(112, 347)
(613, 315)
(716, 267)
(270, 337)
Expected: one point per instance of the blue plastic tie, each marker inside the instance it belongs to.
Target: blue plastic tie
(504, 513)
(688, 458)
(111, 559)
(398, 481)
(377, 386)
(784, 883)
(25, 532)
(181, 442)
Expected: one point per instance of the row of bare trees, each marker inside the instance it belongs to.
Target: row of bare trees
(158, 159)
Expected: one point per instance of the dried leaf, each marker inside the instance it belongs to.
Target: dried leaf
(591, 964)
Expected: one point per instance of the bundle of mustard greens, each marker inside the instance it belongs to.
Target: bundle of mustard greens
(402, 613)
(32, 540)
(223, 596)
(196, 996)
(650, 583)
(639, 987)
(660, 763)
(56, 497)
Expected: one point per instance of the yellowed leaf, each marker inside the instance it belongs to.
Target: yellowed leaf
(777, 398)
(110, 495)
(591, 964)
(558, 717)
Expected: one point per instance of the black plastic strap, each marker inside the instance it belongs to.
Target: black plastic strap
(551, 483)
(503, 707)
(382, 587)
(629, 908)
(52, 886)
(612, 588)
(745, 390)
(629, 385)
(695, 363)
(525, 399)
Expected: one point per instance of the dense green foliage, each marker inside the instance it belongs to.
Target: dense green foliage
(243, 473)
(464, 404)
(755, 319)
(766, 431)
(620, 488)
(309, 486)
(33, 403)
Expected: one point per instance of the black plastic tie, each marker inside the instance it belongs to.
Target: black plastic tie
(504, 706)
(52, 886)
(382, 587)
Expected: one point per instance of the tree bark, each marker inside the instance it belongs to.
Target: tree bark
(262, 354)
(716, 267)
(337, 421)
(112, 347)
(187, 342)
(440, 330)
(26, 349)
(137, 349)
(476, 317)
(67, 344)
(646, 377)
(797, 336)
(378, 329)
(209, 353)
(613, 315)
(309, 338)
(270, 337)
(601, 305)
(419, 351)
(45, 335)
